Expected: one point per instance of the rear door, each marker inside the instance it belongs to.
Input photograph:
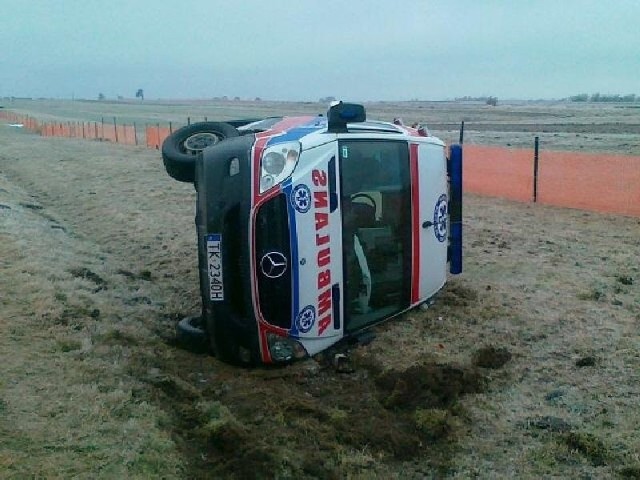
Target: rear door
(429, 219)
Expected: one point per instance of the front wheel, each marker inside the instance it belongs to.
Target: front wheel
(179, 150)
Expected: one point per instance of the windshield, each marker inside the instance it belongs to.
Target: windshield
(376, 221)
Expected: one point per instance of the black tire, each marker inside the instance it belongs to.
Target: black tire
(179, 150)
(225, 346)
(191, 335)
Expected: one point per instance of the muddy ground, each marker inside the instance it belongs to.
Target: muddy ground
(527, 365)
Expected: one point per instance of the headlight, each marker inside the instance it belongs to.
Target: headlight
(273, 163)
(283, 349)
(277, 163)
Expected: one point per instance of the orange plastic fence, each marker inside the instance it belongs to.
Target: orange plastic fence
(126, 134)
(498, 172)
(156, 135)
(25, 120)
(123, 134)
(598, 182)
(151, 135)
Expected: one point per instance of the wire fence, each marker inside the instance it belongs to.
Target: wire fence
(589, 181)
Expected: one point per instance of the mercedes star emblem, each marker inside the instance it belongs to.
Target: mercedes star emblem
(273, 264)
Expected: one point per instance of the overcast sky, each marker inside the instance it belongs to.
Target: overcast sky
(307, 49)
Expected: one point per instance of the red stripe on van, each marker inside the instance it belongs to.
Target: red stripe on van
(415, 223)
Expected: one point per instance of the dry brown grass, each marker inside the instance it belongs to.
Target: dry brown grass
(97, 262)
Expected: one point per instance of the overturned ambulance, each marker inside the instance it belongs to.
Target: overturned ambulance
(312, 229)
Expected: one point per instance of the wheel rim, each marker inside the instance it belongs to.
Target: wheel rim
(199, 141)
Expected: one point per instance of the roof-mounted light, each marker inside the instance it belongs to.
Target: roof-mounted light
(340, 114)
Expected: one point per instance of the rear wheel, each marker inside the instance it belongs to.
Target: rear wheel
(225, 344)
(191, 334)
(179, 150)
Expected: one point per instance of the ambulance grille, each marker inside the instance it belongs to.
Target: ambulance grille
(273, 262)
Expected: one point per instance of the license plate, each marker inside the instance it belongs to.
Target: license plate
(214, 266)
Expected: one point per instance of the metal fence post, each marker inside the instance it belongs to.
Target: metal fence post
(535, 170)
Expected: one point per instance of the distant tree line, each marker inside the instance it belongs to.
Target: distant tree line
(601, 97)
(493, 101)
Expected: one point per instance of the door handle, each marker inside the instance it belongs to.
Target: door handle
(427, 224)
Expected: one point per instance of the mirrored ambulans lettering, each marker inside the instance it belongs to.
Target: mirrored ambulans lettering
(323, 248)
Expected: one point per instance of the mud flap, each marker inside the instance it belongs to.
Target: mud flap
(455, 208)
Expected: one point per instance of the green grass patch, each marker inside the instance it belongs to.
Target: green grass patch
(68, 345)
(588, 445)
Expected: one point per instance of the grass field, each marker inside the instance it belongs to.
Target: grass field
(527, 365)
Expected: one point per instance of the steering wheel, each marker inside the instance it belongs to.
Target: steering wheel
(365, 196)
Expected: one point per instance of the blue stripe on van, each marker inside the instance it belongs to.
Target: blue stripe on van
(293, 261)
(298, 132)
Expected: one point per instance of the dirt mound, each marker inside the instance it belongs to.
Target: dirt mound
(456, 294)
(427, 386)
(345, 421)
(491, 357)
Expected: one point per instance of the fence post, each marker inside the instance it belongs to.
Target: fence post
(158, 136)
(170, 128)
(135, 134)
(188, 120)
(461, 132)
(115, 129)
(535, 170)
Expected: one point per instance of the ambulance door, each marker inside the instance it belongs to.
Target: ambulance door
(429, 219)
